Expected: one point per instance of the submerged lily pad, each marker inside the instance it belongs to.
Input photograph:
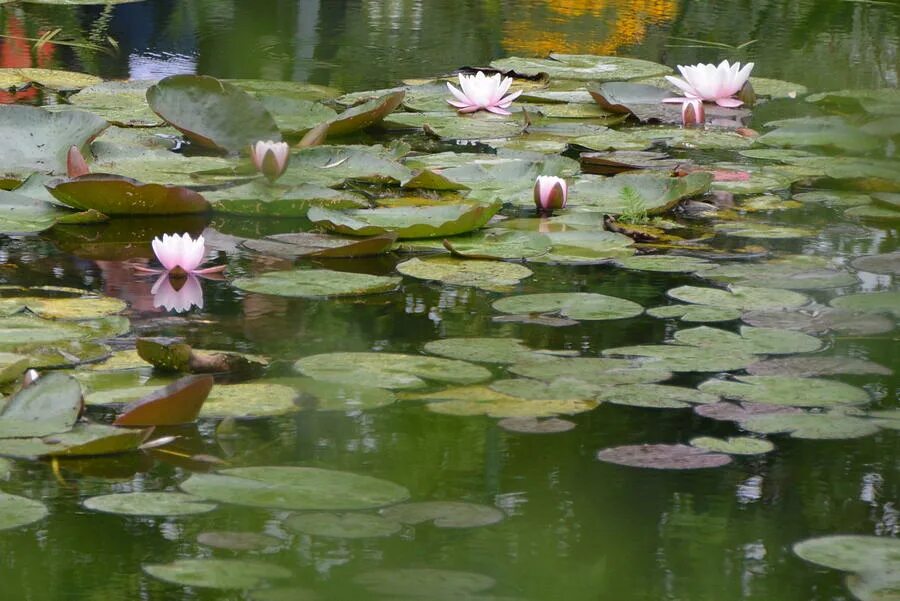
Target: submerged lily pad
(496, 276)
(389, 370)
(663, 457)
(296, 488)
(574, 305)
(16, 511)
(785, 390)
(316, 283)
(237, 541)
(407, 222)
(342, 525)
(734, 445)
(217, 573)
(444, 514)
(149, 504)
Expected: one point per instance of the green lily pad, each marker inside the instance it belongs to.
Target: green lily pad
(492, 244)
(264, 199)
(738, 412)
(646, 137)
(734, 445)
(389, 370)
(49, 406)
(50, 135)
(486, 350)
(149, 504)
(758, 341)
(820, 321)
(786, 390)
(444, 514)
(478, 126)
(333, 165)
(873, 213)
(806, 367)
(16, 511)
(665, 263)
(217, 573)
(296, 488)
(585, 248)
(695, 313)
(122, 103)
(306, 244)
(574, 305)
(6, 467)
(683, 358)
(425, 582)
(655, 396)
(739, 297)
(24, 215)
(870, 302)
(875, 586)
(533, 425)
(792, 273)
(55, 355)
(496, 276)
(304, 283)
(887, 263)
(582, 67)
(319, 395)
(342, 525)
(255, 399)
(481, 400)
(116, 195)
(654, 192)
(237, 541)
(851, 553)
(365, 115)
(212, 113)
(12, 366)
(814, 426)
(663, 457)
(763, 231)
(406, 222)
(85, 307)
(561, 388)
(588, 370)
(833, 133)
(296, 116)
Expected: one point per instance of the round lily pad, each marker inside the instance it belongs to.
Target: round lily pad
(657, 396)
(256, 399)
(851, 553)
(297, 488)
(816, 426)
(806, 367)
(425, 582)
(444, 514)
(237, 541)
(316, 282)
(786, 390)
(574, 305)
(740, 297)
(149, 504)
(821, 320)
(696, 313)
(342, 525)
(875, 586)
(590, 370)
(481, 400)
(663, 457)
(736, 412)
(496, 276)
(888, 263)
(734, 445)
(532, 425)
(88, 307)
(764, 231)
(16, 511)
(665, 263)
(678, 358)
(389, 370)
(800, 273)
(498, 244)
(218, 573)
(563, 388)
(870, 302)
(485, 350)
(761, 341)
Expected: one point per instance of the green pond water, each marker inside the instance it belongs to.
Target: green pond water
(533, 516)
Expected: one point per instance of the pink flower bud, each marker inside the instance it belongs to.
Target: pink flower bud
(692, 112)
(270, 158)
(550, 193)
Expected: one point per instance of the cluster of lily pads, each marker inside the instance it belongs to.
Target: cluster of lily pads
(619, 183)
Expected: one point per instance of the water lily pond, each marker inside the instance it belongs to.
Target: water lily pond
(488, 301)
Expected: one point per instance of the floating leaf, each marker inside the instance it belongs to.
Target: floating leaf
(695, 313)
(656, 193)
(738, 412)
(178, 403)
(739, 297)
(85, 307)
(495, 276)
(852, 553)
(680, 358)
(24, 215)
(655, 396)
(805, 367)
(122, 103)
(256, 399)
(317, 283)
(149, 504)
(486, 350)
(389, 370)
(365, 115)
(532, 425)
(582, 67)
(793, 273)
(296, 488)
(785, 390)
(89, 440)
(16, 511)
(495, 244)
(117, 195)
(887, 263)
(264, 199)
(734, 445)
(574, 305)
(665, 263)
(237, 541)
(591, 370)
(217, 573)
(212, 113)
(663, 457)
(50, 405)
(406, 222)
(306, 244)
(763, 231)
(870, 302)
(815, 426)
(819, 321)
(484, 126)
(12, 366)
(759, 341)
(481, 400)
(342, 525)
(444, 514)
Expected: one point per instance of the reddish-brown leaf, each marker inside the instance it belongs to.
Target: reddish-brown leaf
(177, 403)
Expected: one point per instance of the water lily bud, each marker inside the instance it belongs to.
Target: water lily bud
(747, 95)
(75, 163)
(270, 158)
(692, 112)
(550, 193)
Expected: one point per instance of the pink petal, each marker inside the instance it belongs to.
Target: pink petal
(497, 110)
(683, 85)
(729, 102)
(458, 94)
(459, 104)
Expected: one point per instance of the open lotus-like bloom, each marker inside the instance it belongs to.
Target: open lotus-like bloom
(692, 112)
(177, 294)
(482, 92)
(550, 193)
(711, 83)
(270, 158)
(182, 254)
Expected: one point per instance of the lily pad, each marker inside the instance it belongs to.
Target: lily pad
(444, 514)
(237, 541)
(851, 553)
(799, 272)
(254, 399)
(683, 358)
(389, 370)
(365, 115)
(663, 457)
(763, 231)
(12, 366)
(585, 248)
(758, 341)
(887, 263)
(486, 350)
(425, 582)
(304, 283)
(406, 222)
(51, 405)
(296, 488)
(654, 192)
(738, 412)
(122, 103)
(734, 445)
(481, 400)
(786, 390)
(24, 215)
(496, 276)
(263, 199)
(590, 370)
(533, 425)
(212, 113)
(739, 297)
(665, 263)
(806, 367)
(695, 313)
(149, 504)
(582, 67)
(814, 426)
(16, 511)
(655, 396)
(342, 525)
(175, 404)
(478, 126)
(85, 307)
(217, 573)
(574, 305)
(821, 320)
(494, 244)
(306, 244)
(870, 302)
(117, 195)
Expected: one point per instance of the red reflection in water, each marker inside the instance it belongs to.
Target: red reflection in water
(16, 53)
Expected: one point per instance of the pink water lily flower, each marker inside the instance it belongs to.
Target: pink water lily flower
(692, 112)
(712, 83)
(182, 254)
(550, 193)
(177, 294)
(270, 158)
(482, 92)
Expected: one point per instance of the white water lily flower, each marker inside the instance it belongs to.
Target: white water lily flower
(270, 158)
(481, 92)
(712, 83)
(180, 252)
